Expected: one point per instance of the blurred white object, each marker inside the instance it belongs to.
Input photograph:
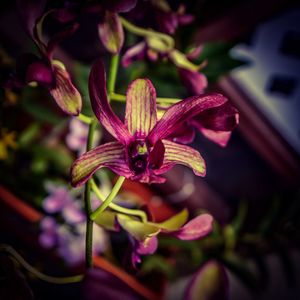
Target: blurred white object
(271, 79)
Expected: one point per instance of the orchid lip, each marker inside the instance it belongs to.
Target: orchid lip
(138, 155)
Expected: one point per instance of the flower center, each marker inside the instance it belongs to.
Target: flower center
(138, 156)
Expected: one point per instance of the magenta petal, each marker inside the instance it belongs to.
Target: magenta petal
(182, 111)
(101, 107)
(217, 123)
(156, 156)
(110, 155)
(185, 134)
(136, 52)
(221, 118)
(64, 92)
(209, 283)
(219, 137)
(111, 32)
(194, 81)
(148, 246)
(41, 73)
(196, 228)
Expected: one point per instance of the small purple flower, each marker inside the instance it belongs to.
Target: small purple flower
(141, 151)
(60, 200)
(59, 197)
(76, 139)
(48, 236)
(68, 238)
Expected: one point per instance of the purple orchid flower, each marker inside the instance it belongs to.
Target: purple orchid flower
(194, 81)
(141, 151)
(43, 70)
(143, 235)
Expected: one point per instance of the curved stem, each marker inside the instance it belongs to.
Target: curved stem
(122, 98)
(147, 32)
(52, 279)
(115, 207)
(87, 204)
(85, 119)
(109, 198)
(113, 70)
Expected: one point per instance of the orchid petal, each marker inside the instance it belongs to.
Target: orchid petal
(217, 123)
(140, 231)
(194, 81)
(184, 155)
(148, 246)
(175, 222)
(64, 92)
(107, 219)
(221, 118)
(136, 52)
(110, 155)
(219, 137)
(39, 72)
(210, 282)
(185, 134)
(176, 114)
(140, 115)
(101, 107)
(196, 228)
(111, 32)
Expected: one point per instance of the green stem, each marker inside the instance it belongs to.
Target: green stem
(122, 98)
(109, 198)
(147, 32)
(85, 119)
(113, 70)
(37, 273)
(87, 204)
(115, 207)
